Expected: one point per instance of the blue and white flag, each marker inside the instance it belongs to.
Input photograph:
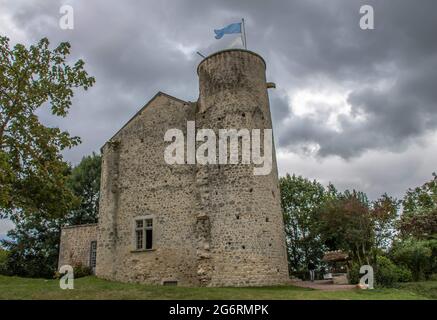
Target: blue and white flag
(232, 28)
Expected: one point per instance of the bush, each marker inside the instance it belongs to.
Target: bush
(404, 274)
(79, 271)
(386, 273)
(3, 262)
(354, 273)
(301, 274)
(304, 274)
(420, 256)
(82, 271)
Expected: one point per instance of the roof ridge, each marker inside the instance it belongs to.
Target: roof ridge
(159, 93)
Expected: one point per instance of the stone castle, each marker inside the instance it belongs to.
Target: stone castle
(190, 225)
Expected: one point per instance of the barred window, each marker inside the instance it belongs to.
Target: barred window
(93, 254)
(143, 233)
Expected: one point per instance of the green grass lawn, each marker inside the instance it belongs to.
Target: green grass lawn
(94, 288)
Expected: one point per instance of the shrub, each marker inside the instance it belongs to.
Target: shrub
(420, 256)
(386, 273)
(354, 273)
(404, 274)
(3, 262)
(81, 270)
(301, 274)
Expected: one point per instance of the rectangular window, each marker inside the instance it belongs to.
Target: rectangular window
(139, 239)
(149, 239)
(143, 233)
(93, 254)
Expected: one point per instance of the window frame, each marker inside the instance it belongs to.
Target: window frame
(144, 229)
(93, 254)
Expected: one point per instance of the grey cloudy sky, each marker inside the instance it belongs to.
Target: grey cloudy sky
(354, 107)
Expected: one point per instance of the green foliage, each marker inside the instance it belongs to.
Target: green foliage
(35, 239)
(354, 273)
(34, 247)
(404, 274)
(419, 224)
(3, 261)
(81, 271)
(317, 219)
(384, 214)
(32, 172)
(85, 183)
(420, 256)
(346, 224)
(350, 222)
(300, 199)
(387, 273)
(422, 198)
(419, 218)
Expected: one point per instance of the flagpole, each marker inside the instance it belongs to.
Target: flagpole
(244, 34)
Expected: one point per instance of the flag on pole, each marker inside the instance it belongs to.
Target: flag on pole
(232, 28)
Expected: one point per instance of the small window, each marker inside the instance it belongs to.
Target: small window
(139, 234)
(143, 233)
(93, 254)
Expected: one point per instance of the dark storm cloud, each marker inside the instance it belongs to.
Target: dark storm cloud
(388, 76)
(136, 48)
(401, 51)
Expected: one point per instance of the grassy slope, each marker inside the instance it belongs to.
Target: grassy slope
(93, 288)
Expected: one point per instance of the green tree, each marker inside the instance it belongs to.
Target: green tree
(420, 256)
(300, 199)
(419, 217)
(32, 172)
(34, 245)
(346, 224)
(85, 183)
(423, 198)
(350, 222)
(33, 248)
(385, 213)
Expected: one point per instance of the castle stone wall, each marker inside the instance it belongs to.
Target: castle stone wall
(247, 239)
(136, 181)
(75, 244)
(214, 225)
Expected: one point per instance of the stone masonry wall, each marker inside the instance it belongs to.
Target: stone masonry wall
(75, 244)
(214, 225)
(136, 181)
(247, 239)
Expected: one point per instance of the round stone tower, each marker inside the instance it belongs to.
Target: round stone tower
(240, 229)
